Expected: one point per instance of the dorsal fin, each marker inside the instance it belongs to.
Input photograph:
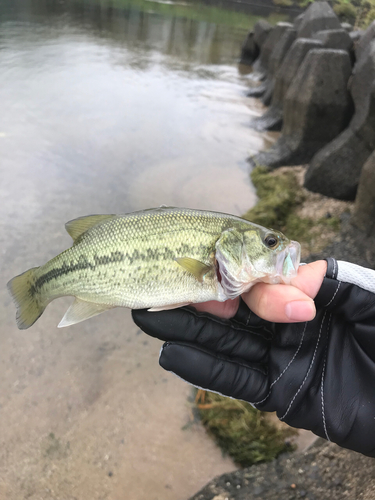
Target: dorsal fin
(76, 227)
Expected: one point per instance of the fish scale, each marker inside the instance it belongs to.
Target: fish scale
(155, 258)
(146, 270)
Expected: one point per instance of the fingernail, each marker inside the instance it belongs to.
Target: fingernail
(300, 310)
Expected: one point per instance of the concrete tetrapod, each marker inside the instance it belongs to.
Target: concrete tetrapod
(335, 170)
(364, 209)
(318, 16)
(261, 65)
(272, 119)
(317, 108)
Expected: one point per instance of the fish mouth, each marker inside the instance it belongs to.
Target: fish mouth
(288, 261)
(286, 268)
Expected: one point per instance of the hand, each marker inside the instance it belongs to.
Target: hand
(317, 375)
(278, 303)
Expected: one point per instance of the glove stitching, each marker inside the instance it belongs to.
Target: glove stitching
(286, 368)
(334, 295)
(322, 385)
(308, 371)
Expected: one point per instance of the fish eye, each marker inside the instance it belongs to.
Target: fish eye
(271, 241)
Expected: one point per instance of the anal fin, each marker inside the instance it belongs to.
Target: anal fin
(168, 307)
(81, 310)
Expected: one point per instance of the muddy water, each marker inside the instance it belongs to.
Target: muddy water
(108, 110)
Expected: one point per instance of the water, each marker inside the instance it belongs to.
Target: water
(109, 109)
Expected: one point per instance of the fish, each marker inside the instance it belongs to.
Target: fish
(155, 259)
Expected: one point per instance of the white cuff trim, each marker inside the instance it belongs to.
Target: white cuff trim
(357, 275)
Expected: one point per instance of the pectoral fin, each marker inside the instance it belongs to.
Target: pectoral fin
(81, 310)
(195, 267)
(79, 226)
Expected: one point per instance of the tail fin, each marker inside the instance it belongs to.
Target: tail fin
(27, 300)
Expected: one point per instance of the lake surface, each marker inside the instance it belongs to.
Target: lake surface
(109, 108)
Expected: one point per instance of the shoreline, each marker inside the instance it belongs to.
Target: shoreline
(317, 469)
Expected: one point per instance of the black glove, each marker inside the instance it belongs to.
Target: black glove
(318, 375)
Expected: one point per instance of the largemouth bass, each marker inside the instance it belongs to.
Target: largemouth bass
(159, 258)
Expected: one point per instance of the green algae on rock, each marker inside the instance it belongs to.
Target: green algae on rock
(246, 434)
(281, 197)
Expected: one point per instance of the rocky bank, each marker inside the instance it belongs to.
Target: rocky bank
(319, 78)
(324, 472)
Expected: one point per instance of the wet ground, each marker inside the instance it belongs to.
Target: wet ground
(107, 111)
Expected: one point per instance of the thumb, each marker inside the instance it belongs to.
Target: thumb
(310, 277)
(288, 303)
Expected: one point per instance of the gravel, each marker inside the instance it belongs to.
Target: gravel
(351, 245)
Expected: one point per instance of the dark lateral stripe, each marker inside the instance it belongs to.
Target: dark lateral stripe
(82, 264)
